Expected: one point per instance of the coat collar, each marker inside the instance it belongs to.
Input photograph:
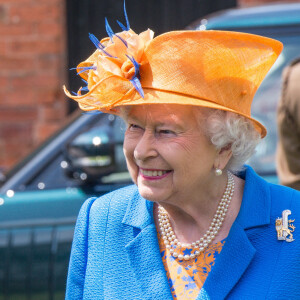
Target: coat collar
(256, 204)
(139, 213)
(238, 251)
(236, 255)
(143, 250)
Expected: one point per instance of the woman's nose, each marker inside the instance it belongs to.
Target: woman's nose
(145, 148)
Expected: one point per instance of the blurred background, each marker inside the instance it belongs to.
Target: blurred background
(41, 39)
(73, 156)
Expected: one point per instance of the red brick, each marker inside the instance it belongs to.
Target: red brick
(19, 114)
(59, 3)
(44, 130)
(52, 112)
(23, 81)
(44, 96)
(36, 80)
(48, 61)
(4, 83)
(13, 64)
(14, 153)
(32, 71)
(20, 97)
(34, 46)
(48, 81)
(15, 30)
(17, 1)
(3, 96)
(49, 29)
(2, 156)
(5, 164)
(2, 48)
(11, 132)
(36, 12)
(4, 13)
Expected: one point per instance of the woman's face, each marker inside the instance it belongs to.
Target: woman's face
(167, 154)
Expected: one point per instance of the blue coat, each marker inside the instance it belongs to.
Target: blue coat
(115, 253)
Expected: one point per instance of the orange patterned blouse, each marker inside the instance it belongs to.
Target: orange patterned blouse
(186, 278)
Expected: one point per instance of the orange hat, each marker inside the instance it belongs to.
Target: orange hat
(215, 69)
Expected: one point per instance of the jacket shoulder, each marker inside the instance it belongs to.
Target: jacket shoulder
(113, 203)
(120, 195)
(285, 198)
(285, 193)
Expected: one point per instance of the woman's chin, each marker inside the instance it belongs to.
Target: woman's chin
(154, 189)
(151, 194)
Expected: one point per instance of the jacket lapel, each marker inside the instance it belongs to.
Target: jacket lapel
(238, 250)
(143, 251)
(235, 258)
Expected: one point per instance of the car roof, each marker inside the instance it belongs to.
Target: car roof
(283, 14)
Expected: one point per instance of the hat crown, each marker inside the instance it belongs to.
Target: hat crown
(222, 67)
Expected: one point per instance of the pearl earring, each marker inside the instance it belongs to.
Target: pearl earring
(218, 172)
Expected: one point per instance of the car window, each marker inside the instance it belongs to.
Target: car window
(265, 103)
(54, 174)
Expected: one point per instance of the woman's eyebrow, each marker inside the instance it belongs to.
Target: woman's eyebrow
(161, 123)
(175, 125)
(132, 118)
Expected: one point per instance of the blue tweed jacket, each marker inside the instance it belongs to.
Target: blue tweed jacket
(115, 253)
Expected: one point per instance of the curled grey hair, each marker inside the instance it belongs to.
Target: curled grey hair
(225, 129)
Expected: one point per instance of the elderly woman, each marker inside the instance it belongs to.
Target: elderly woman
(196, 224)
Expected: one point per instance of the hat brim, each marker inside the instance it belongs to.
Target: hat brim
(153, 96)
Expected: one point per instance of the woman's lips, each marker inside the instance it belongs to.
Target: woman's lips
(153, 174)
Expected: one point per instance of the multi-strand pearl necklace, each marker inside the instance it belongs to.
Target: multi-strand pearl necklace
(171, 240)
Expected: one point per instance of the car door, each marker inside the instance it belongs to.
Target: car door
(41, 201)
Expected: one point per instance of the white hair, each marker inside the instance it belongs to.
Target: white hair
(227, 129)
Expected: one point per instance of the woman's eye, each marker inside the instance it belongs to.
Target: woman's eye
(134, 127)
(166, 132)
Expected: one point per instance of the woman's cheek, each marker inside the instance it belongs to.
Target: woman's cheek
(134, 171)
(131, 165)
(181, 146)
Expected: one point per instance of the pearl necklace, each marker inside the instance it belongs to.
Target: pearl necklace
(169, 236)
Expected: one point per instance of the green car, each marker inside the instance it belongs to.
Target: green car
(41, 197)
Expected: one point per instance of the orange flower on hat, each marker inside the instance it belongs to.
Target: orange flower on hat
(112, 71)
(123, 47)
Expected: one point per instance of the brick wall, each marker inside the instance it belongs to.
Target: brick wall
(247, 3)
(32, 71)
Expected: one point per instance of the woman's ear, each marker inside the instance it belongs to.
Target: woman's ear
(223, 157)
